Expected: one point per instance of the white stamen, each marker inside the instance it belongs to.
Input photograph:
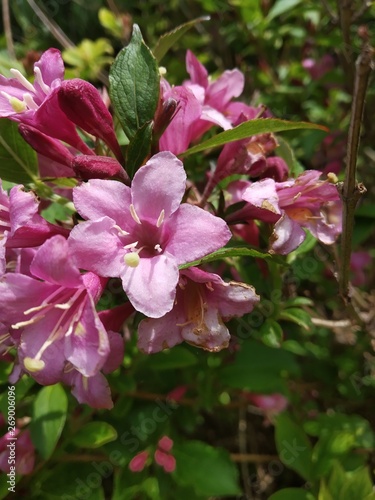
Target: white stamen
(121, 232)
(160, 219)
(63, 306)
(31, 104)
(3, 207)
(131, 245)
(158, 248)
(39, 79)
(23, 81)
(21, 324)
(133, 213)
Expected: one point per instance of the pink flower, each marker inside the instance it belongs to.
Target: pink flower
(305, 202)
(358, 262)
(20, 224)
(54, 311)
(36, 104)
(214, 97)
(203, 300)
(142, 234)
(24, 452)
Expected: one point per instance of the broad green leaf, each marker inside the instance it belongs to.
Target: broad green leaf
(292, 494)
(167, 40)
(207, 469)
(49, 415)
(248, 129)
(236, 251)
(94, 435)
(293, 445)
(134, 85)
(298, 316)
(138, 149)
(259, 368)
(178, 357)
(77, 480)
(18, 161)
(281, 7)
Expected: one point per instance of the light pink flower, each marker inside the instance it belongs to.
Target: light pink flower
(203, 302)
(24, 452)
(305, 202)
(142, 234)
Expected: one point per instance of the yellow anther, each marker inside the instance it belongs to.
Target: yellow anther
(33, 365)
(132, 259)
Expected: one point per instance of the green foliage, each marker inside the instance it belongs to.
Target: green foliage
(208, 469)
(49, 415)
(134, 85)
(18, 161)
(89, 58)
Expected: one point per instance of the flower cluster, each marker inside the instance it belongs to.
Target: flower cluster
(148, 229)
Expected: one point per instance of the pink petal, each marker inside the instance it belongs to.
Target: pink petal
(154, 335)
(165, 443)
(87, 345)
(158, 185)
(263, 195)
(211, 335)
(214, 116)
(151, 286)
(287, 236)
(137, 463)
(116, 354)
(94, 391)
(51, 66)
(195, 233)
(198, 73)
(97, 198)
(230, 84)
(53, 263)
(96, 247)
(181, 130)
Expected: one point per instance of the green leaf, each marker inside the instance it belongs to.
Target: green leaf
(259, 368)
(138, 149)
(248, 129)
(292, 494)
(73, 481)
(134, 85)
(94, 435)
(271, 333)
(298, 316)
(293, 446)
(178, 357)
(281, 7)
(236, 251)
(207, 469)
(49, 415)
(18, 161)
(167, 40)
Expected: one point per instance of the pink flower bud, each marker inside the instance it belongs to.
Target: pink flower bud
(83, 105)
(45, 145)
(137, 463)
(165, 443)
(97, 167)
(165, 460)
(177, 393)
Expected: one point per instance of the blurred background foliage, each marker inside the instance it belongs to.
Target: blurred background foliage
(326, 374)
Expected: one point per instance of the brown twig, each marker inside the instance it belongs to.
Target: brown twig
(60, 35)
(350, 190)
(346, 18)
(242, 445)
(8, 29)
